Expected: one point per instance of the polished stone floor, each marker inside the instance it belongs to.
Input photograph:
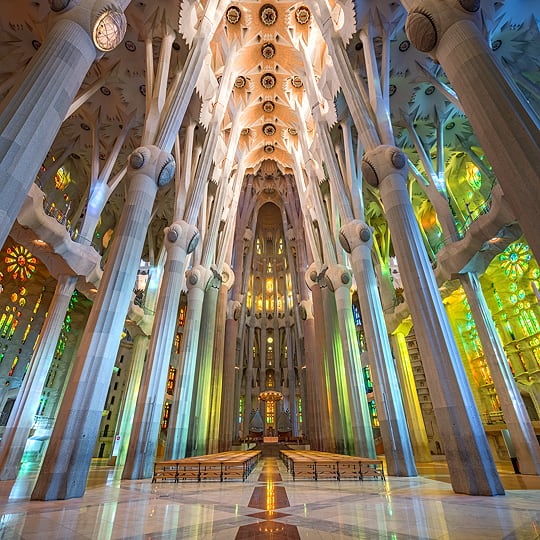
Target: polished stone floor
(269, 505)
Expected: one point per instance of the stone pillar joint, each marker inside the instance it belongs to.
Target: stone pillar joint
(382, 162)
(354, 234)
(182, 235)
(430, 19)
(152, 162)
(338, 276)
(198, 278)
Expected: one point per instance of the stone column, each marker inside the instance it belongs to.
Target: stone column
(515, 413)
(181, 409)
(357, 239)
(471, 465)
(36, 109)
(203, 386)
(507, 128)
(411, 404)
(339, 279)
(138, 357)
(312, 405)
(180, 240)
(65, 468)
(326, 438)
(248, 399)
(21, 419)
(222, 383)
(230, 369)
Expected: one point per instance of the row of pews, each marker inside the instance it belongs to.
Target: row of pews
(315, 465)
(223, 466)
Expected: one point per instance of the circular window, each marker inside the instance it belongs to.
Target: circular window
(268, 149)
(109, 30)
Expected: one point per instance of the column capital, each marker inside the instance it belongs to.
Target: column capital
(181, 234)
(312, 275)
(428, 20)
(198, 278)
(234, 308)
(306, 309)
(354, 234)
(337, 276)
(227, 276)
(383, 161)
(152, 162)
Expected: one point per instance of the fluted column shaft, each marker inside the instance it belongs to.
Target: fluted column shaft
(336, 386)
(26, 404)
(325, 425)
(507, 128)
(470, 462)
(248, 405)
(138, 356)
(180, 239)
(358, 241)
(222, 372)
(203, 385)
(363, 444)
(65, 468)
(32, 117)
(226, 432)
(515, 413)
(181, 409)
(411, 404)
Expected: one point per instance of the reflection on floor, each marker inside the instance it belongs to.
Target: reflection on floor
(269, 505)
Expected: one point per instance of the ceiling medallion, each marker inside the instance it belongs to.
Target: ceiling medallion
(268, 15)
(268, 107)
(268, 51)
(292, 131)
(268, 149)
(297, 82)
(245, 131)
(268, 81)
(302, 15)
(240, 82)
(233, 15)
(269, 130)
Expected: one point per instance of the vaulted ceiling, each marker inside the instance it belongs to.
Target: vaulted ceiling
(260, 48)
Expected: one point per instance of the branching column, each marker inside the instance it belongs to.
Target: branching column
(470, 462)
(340, 281)
(219, 387)
(181, 410)
(357, 239)
(67, 461)
(505, 124)
(180, 239)
(515, 413)
(32, 117)
(24, 409)
(411, 404)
